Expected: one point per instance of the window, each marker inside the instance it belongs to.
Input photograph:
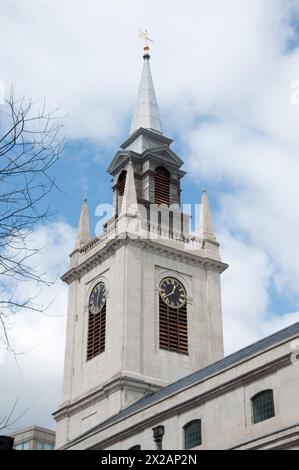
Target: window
(137, 447)
(173, 328)
(121, 182)
(162, 186)
(120, 189)
(44, 446)
(263, 406)
(22, 445)
(96, 333)
(96, 321)
(192, 434)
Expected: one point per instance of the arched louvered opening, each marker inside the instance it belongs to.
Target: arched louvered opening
(96, 333)
(121, 182)
(263, 406)
(162, 186)
(173, 328)
(192, 434)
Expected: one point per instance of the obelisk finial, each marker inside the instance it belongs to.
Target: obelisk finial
(144, 35)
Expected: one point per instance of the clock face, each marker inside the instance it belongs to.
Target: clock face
(172, 292)
(97, 298)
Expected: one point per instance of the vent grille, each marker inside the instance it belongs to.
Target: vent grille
(162, 186)
(173, 328)
(96, 333)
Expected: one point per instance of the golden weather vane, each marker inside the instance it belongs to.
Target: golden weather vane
(144, 35)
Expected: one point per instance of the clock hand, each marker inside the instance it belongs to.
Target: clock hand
(170, 293)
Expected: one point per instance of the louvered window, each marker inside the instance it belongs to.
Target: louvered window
(96, 333)
(121, 183)
(162, 186)
(173, 328)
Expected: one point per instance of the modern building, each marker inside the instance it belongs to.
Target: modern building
(144, 360)
(34, 438)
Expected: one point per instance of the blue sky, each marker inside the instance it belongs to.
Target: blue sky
(223, 74)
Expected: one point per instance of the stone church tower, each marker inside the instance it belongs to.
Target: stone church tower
(144, 304)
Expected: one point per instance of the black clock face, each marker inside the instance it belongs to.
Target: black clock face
(172, 292)
(97, 298)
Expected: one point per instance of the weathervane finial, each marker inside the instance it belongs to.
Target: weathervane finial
(144, 35)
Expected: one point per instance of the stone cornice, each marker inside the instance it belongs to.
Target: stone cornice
(140, 131)
(275, 440)
(113, 244)
(119, 383)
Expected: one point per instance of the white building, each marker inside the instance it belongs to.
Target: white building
(144, 361)
(34, 438)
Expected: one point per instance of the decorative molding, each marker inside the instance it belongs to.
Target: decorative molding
(155, 247)
(117, 384)
(148, 133)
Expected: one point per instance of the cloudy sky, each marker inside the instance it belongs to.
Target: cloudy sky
(225, 75)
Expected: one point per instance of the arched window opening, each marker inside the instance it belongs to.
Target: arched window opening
(137, 447)
(173, 325)
(121, 182)
(162, 186)
(263, 406)
(96, 333)
(192, 434)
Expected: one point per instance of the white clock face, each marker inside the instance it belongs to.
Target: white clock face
(97, 298)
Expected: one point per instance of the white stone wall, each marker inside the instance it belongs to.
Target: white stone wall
(132, 275)
(225, 410)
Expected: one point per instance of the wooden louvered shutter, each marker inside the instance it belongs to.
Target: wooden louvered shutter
(96, 333)
(121, 183)
(173, 328)
(162, 186)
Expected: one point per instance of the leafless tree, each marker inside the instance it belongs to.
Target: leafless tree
(29, 147)
(8, 421)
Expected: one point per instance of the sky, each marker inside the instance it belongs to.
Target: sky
(226, 76)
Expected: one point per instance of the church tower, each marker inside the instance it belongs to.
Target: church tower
(144, 305)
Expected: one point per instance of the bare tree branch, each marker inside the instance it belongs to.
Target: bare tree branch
(10, 419)
(29, 147)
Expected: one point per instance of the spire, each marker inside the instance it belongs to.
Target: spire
(129, 201)
(206, 230)
(146, 113)
(83, 234)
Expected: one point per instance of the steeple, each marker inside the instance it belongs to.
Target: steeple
(146, 113)
(83, 234)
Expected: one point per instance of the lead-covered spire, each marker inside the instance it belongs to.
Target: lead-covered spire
(146, 113)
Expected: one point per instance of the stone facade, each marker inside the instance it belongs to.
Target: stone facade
(221, 397)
